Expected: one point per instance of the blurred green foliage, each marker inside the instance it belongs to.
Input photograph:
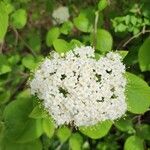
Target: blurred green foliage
(27, 35)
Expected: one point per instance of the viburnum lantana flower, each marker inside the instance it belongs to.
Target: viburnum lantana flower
(79, 89)
(60, 15)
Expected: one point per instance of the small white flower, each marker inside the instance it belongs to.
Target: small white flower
(60, 15)
(78, 89)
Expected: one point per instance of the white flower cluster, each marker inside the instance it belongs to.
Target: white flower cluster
(79, 89)
(60, 15)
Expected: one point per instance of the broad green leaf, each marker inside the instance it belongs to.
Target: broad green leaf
(143, 131)
(38, 112)
(3, 24)
(33, 145)
(24, 94)
(33, 130)
(97, 131)
(4, 65)
(133, 143)
(104, 40)
(98, 56)
(137, 94)
(82, 23)
(63, 133)
(29, 62)
(61, 46)
(66, 27)
(5, 69)
(19, 18)
(14, 59)
(6, 7)
(19, 127)
(121, 28)
(125, 125)
(75, 141)
(52, 35)
(75, 43)
(102, 4)
(144, 55)
(48, 126)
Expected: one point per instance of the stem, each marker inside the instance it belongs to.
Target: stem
(139, 120)
(18, 36)
(31, 50)
(135, 36)
(95, 28)
(18, 88)
(59, 146)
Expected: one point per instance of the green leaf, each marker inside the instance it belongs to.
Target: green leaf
(29, 62)
(19, 18)
(5, 69)
(33, 130)
(75, 43)
(102, 4)
(121, 27)
(137, 94)
(24, 94)
(33, 145)
(133, 143)
(133, 20)
(66, 28)
(82, 23)
(104, 40)
(125, 125)
(38, 112)
(14, 59)
(143, 55)
(3, 24)
(122, 53)
(75, 141)
(63, 133)
(143, 131)
(48, 126)
(97, 131)
(18, 126)
(61, 46)
(52, 35)
(6, 7)
(4, 65)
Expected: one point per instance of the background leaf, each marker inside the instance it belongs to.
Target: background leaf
(19, 127)
(133, 142)
(76, 141)
(63, 133)
(97, 131)
(143, 56)
(104, 41)
(82, 23)
(19, 18)
(3, 24)
(138, 94)
(61, 46)
(48, 126)
(102, 4)
(143, 131)
(52, 35)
